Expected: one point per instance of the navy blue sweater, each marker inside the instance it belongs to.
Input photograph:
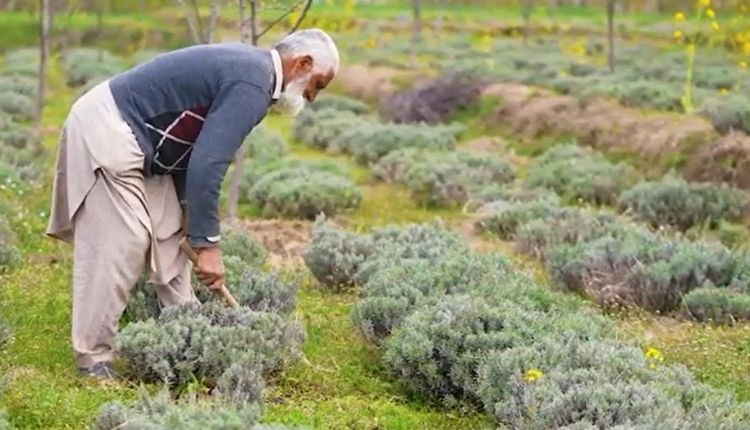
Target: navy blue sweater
(190, 110)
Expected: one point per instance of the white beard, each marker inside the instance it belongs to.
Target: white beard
(292, 99)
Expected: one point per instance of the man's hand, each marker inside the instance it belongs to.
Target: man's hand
(209, 268)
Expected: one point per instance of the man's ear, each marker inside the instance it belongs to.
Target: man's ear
(304, 64)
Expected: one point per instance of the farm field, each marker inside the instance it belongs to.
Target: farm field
(491, 222)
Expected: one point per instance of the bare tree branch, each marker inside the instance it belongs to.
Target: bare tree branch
(212, 21)
(301, 17)
(199, 22)
(283, 16)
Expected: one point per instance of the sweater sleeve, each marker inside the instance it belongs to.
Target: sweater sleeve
(235, 111)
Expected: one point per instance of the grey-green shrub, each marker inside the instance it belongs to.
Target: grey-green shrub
(640, 268)
(445, 179)
(4, 335)
(722, 305)
(368, 142)
(334, 256)
(18, 106)
(237, 242)
(438, 349)
(504, 218)
(86, 64)
(602, 384)
(339, 103)
(255, 170)
(674, 202)
(202, 341)
(18, 136)
(537, 237)
(319, 127)
(727, 113)
(265, 145)
(579, 174)
(397, 289)
(18, 84)
(254, 289)
(512, 193)
(304, 193)
(160, 413)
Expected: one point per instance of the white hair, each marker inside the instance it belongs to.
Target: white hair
(315, 43)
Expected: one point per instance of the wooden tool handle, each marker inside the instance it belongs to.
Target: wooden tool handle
(223, 291)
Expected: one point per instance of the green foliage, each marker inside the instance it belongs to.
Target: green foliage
(304, 193)
(722, 305)
(200, 342)
(144, 56)
(84, 65)
(674, 202)
(4, 335)
(257, 169)
(578, 174)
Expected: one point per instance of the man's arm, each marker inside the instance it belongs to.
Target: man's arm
(236, 110)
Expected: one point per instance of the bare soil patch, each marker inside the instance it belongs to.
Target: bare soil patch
(285, 240)
(658, 140)
(370, 82)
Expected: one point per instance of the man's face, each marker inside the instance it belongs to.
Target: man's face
(302, 85)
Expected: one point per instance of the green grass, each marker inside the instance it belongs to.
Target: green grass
(341, 384)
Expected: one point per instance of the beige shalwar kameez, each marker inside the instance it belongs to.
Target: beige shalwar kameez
(120, 223)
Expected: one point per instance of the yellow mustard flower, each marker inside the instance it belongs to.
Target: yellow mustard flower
(710, 13)
(704, 3)
(532, 375)
(724, 91)
(654, 354)
(743, 8)
(714, 25)
(679, 17)
(742, 64)
(678, 35)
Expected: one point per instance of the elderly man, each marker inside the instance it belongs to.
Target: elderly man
(143, 151)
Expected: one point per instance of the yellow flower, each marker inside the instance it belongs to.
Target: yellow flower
(679, 17)
(678, 35)
(742, 64)
(654, 354)
(710, 13)
(562, 73)
(704, 3)
(714, 25)
(532, 375)
(743, 8)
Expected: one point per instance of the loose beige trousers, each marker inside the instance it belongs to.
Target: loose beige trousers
(120, 223)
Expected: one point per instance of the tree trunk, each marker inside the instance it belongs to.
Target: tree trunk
(611, 33)
(526, 8)
(100, 28)
(212, 21)
(192, 24)
(233, 195)
(44, 26)
(416, 25)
